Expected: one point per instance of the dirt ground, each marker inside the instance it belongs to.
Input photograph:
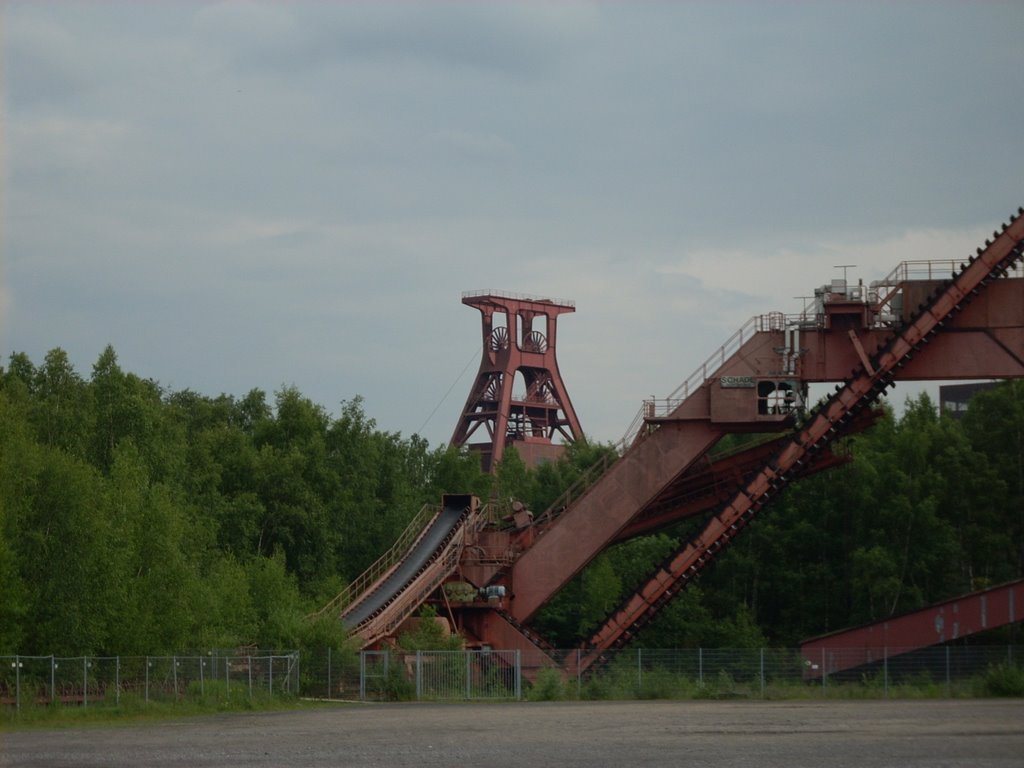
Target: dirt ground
(975, 733)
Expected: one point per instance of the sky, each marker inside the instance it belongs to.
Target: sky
(247, 195)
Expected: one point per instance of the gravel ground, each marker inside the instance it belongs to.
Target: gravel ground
(975, 733)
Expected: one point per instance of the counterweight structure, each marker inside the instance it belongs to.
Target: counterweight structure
(518, 397)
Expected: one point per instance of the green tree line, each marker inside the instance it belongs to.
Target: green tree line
(135, 519)
(139, 520)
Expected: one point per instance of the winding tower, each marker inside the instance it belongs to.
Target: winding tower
(518, 396)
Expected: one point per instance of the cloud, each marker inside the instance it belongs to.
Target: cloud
(390, 37)
(472, 145)
(67, 143)
(250, 194)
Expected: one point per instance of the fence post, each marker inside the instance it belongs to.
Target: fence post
(639, 670)
(469, 675)
(519, 674)
(885, 664)
(700, 667)
(249, 661)
(117, 680)
(17, 682)
(579, 673)
(329, 688)
(148, 665)
(53, 679)
(824, 673)
(762, 673)
(174, 670)
(271, 657)
(949, 681)
(419, 674)
(85, 682)
(362, 675)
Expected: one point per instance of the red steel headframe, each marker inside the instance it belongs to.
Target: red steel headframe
(513, 345)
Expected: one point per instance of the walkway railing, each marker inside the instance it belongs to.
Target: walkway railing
(933, 269)
(518, 296)
(661, 407)
(383, 564)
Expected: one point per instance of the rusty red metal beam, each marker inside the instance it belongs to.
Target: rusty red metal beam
(939, 623)
(708, 484)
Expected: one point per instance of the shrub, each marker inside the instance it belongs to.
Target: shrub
(1003, 680)
(547, 687)
(398, 687)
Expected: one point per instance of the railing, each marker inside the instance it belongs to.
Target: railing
(571, 494)
(934, 269)
(412, 596)
(518, 297)
(542, 396)
(660, 407)
(383, 564)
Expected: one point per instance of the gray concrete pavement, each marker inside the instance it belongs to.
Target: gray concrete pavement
(838, 734)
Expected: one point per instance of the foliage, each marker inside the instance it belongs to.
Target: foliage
(139, 520)
(427, 633)
(548, 686)
(134, 519)
(1002, 680)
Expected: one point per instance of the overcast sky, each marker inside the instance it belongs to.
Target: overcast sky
(239, 195)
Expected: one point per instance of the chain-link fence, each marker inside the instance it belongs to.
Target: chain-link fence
(473, 675)
(647, 673)
(419, 675)
(91, 681)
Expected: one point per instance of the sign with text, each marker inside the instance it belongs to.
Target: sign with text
(737, 382)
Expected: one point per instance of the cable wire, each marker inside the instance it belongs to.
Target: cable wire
(445, 397)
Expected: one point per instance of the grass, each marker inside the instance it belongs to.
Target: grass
(133, 709)
(625, 684)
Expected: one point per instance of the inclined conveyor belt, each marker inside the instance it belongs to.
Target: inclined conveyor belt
(416, 559)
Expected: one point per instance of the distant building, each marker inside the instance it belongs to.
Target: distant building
(954, 398)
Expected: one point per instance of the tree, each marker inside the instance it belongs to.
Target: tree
(994, 425)
(13, 598)
(63, 544)
(63, 407)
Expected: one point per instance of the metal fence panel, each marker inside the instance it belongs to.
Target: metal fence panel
(94, 681)
(678, 673)
(439, 675)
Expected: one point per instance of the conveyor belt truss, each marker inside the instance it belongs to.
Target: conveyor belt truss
(867, 381)
(427, 554)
